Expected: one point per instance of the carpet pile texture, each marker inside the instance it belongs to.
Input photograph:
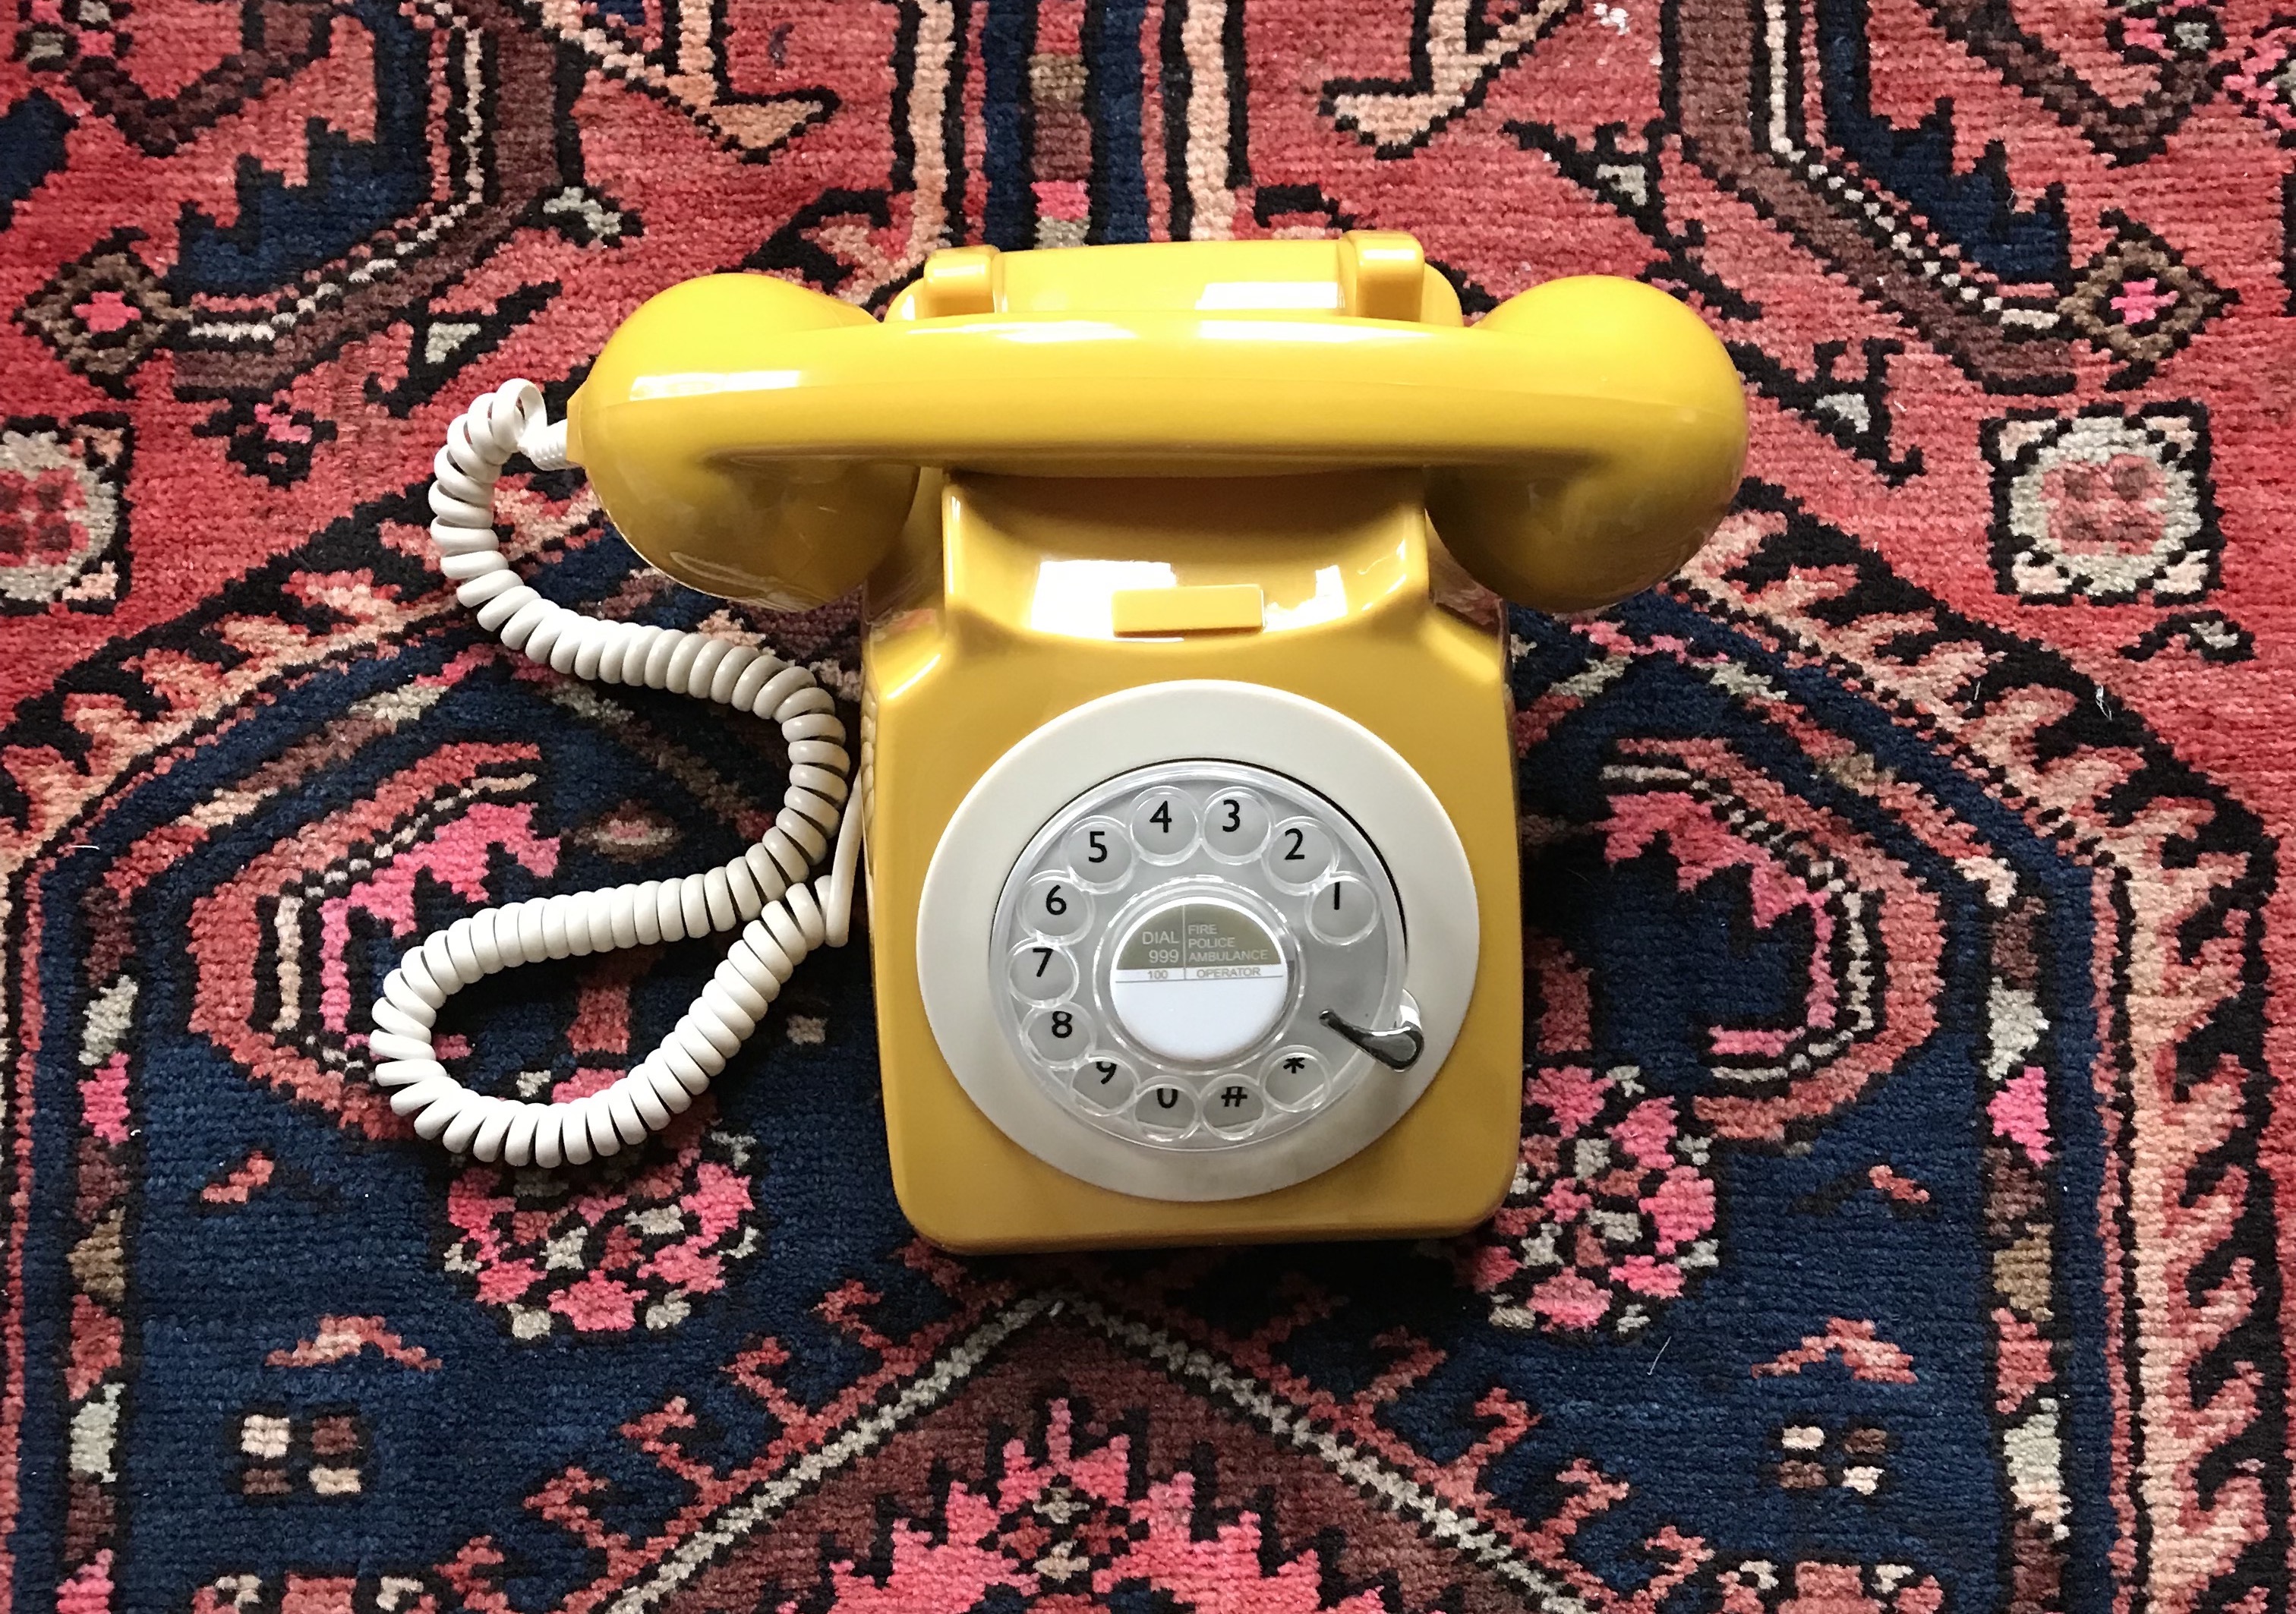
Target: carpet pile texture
(1898, 1227)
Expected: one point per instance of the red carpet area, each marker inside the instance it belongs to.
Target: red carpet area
(1904, 1211)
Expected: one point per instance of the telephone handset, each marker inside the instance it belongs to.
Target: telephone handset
(1185, 769)
(756, 437)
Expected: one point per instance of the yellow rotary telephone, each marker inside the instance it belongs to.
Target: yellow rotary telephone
(1184, 761)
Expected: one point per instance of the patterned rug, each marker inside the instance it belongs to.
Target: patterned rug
(1898, 1225)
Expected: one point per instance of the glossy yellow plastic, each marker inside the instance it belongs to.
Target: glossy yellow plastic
(791, 531)
(1196, 608)
(1142, 463)
(753, 438)
(995, 615)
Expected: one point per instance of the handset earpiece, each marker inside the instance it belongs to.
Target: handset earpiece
(792, 531)
(1638, 488)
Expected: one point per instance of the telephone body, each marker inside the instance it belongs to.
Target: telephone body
(1184, 763)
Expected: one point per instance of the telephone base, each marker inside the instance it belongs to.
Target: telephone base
(1029, 1224)
(1353, 644)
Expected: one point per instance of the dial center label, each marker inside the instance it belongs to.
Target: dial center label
(1199, 981)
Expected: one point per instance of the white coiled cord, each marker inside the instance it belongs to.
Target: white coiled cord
(763, 891)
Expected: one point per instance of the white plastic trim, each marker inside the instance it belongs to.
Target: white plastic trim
(1207, 720)
(781, 921)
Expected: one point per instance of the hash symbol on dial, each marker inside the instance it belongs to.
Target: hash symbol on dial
(1234, 1107)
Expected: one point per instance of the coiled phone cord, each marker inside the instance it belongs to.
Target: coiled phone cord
(763, 891)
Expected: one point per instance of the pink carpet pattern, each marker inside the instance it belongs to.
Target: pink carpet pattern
(1898, 1227)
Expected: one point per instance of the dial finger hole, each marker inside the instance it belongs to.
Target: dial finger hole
(1294, 1078)
(1057, 906)
(1099, 853)
(1058, 1035)
(1233, 1107)
(1164, 824)
(1166, 1111)
(1235, 826)
(1103, 1082)
(1341, 910)
(1042, 971)
(1298, 854)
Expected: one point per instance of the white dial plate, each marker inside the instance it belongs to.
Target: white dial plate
(1169, 941)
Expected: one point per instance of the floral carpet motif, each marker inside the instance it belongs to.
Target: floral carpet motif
(1898, 1228)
